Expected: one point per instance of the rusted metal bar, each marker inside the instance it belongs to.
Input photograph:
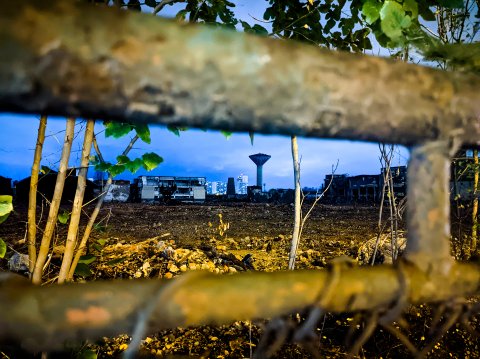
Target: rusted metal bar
(428, 214)
(43, 318)
(68, 58)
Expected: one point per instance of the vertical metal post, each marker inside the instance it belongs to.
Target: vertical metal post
(428, 245)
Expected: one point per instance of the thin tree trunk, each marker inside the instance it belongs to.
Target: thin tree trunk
(473, 244)
(32, 199)
(55, 204)
(96, 211)
(297, 206)
(390, 202)
(77, 203)
(382, 199)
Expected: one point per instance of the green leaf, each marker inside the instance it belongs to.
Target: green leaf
(425, 12)
(45, 170)
(115, 170)
(3, 248)
(371, 11)
(122, 159)
(151, 161)
(99, 227)
(252, 136)
(103, 167)
(329, 25)
(87, 354)
(451, 4)
(94, 160)
(115, 261)
(5, 207)
(143, 132)
(176, 129)
(246, 26)
(259, 30)
(134, 166)
(117, 129)
(83, 270)
(393, 20)
(63, 217)
(102, 242)
(134, 5)
(97, 247)
(151, 3)
(87, 259)
(182, 14)
(227, 134)
(412, 7)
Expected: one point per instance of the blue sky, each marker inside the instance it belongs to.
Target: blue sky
(194, 153)
(198, 153)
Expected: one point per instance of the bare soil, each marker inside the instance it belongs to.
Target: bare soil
(163, 241)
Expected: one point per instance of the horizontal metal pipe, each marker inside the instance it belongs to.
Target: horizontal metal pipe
(71, 59)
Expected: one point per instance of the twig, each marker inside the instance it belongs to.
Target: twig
(277, 330)
(161, 294)
(402, 337)
(366, 334)
(440, 332)
(163, 3)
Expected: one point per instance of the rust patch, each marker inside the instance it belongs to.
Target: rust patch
(128, 51)
(299, 287)
(92, 316)
(433, 216)
(90, 296)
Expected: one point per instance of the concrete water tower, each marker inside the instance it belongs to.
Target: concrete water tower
(259, 159)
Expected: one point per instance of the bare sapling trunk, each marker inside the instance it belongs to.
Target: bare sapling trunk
(473, 243)
(318, 197)
(393, 210)
(299, 218)
(88, 229)
(55, 204)
(380, 226)
(386, 161)
(32, 197)
(297, 205)
(77, 203)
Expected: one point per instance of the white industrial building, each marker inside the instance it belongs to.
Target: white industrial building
(155, 188)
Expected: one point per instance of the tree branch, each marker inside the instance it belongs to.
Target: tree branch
(163, 3)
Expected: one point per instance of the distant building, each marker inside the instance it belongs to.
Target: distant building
(462, 175)
(155, 188)
(241, 184)
(337, 186)
(46, 187)
(364, 188)
(231, 187)
(6, 186)
(216, 188)
(119, 191)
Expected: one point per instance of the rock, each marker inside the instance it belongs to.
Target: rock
(172, 268)
(18, 262)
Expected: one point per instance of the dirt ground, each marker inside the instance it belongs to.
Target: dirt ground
(163, 241)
